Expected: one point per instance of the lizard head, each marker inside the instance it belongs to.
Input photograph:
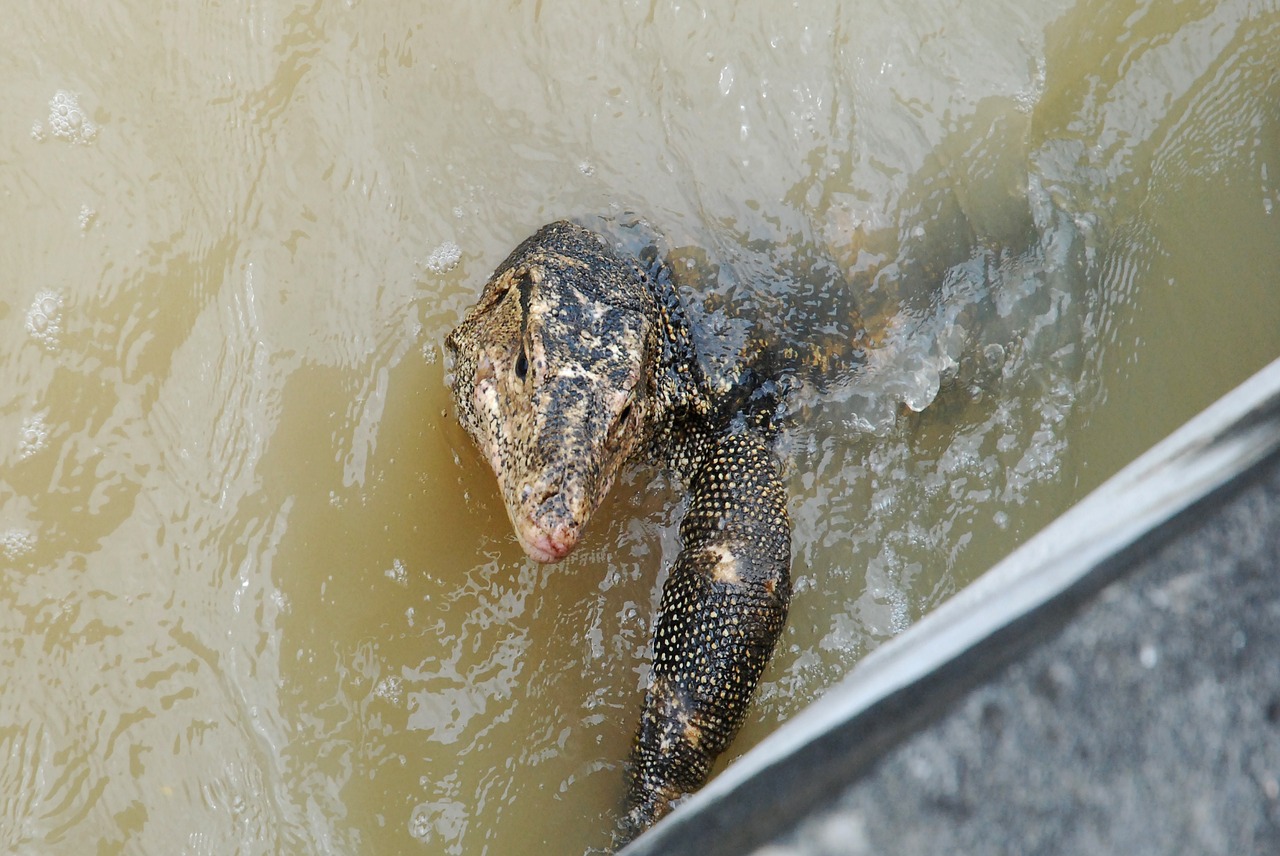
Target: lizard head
(550, 378)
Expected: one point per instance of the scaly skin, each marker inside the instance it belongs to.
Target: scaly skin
(722, 609)
(574, 361)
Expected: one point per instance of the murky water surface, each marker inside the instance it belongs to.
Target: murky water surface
(257, 594)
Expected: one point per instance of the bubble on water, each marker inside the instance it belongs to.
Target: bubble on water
(397, 573)
(899, 611)
(390, 689)
(68, 121)
(994, 356)
(420, 824)
(44, 318)
(1025, 99)
(87, 215)
(15, 543)
(445, 818)
(34, 436)
(37, 131)
(443, 258)
(586, 168)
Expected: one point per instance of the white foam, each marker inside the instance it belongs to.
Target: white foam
(44, 318)
(68, 121)
(34, 436)
(16, 543)
(443, 258)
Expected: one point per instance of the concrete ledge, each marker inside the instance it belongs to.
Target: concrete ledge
(1112, 686)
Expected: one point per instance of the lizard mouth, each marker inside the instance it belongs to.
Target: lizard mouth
(543, 545)
(549, 531)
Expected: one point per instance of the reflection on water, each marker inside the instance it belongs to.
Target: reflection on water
(257, 593)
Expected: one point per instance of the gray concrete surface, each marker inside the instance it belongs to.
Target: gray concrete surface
(1149, 725)
(1112, 687)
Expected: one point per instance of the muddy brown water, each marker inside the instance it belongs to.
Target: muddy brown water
(257, 594)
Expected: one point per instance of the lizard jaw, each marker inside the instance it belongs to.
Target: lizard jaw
(547, 546)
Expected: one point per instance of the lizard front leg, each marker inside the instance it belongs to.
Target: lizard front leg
(722, 610)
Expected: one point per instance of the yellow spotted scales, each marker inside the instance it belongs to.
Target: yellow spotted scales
(722, 609)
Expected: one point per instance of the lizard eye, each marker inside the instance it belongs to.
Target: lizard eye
(522, 365)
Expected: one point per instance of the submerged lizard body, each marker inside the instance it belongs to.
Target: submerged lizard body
(575, 360)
